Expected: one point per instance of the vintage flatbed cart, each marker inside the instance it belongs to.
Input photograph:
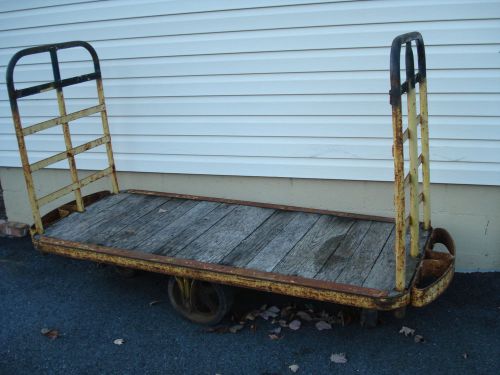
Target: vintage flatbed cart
(207, 244)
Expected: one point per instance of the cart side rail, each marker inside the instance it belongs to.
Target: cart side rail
(63, 120)
(410, 134)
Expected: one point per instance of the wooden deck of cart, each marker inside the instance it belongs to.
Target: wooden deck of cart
(330, 256)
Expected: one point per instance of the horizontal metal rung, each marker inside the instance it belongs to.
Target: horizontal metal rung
(407, 222)
(63, 119)
(407, 180)
(406, 135)
(63, 155)
(32, 90)
(69, 188)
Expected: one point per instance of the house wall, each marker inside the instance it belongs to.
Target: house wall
(470, 213)
(275, 88)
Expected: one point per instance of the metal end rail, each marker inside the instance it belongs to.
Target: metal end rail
(58, 84)
(401, 182)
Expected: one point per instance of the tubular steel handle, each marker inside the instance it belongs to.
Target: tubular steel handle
(57, 83)
(410, 134)
(396, 88)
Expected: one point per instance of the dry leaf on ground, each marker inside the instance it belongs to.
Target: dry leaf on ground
(217, 329)
(407, 331)
(50, 333)
(304, 316)
(274, 309)
(419, 338)
(274, 336)
(118, 341)
(252, 315)
(465, 355)
(322, 325)
(236, 328)
(294, 368)
(294, 325)
(338, 358)
(155, 302)
(275, 331)
(162, 210)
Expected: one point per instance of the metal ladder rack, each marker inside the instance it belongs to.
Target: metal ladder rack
(58, 84)
(411, 180)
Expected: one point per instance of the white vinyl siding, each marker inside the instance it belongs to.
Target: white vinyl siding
(281, 88)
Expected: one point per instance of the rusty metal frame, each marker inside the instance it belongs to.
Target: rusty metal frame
(438, 265)
(64, 119)
(411, 221)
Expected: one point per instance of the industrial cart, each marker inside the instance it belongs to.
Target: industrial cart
(209, 244)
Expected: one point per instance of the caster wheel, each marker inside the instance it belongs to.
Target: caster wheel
(369, 318)
(126, 273)
(200, 301)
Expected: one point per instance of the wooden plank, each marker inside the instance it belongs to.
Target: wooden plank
(281, 245)
(312, 251)
(92, 214)
(175, 223)
(337, 261)
(361, 262)
(149, 224)
(114, 224)
(254, 243)
(382, 275)
(174, 245)
(224, 236)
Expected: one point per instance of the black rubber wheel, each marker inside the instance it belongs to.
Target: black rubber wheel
(126, 273)
(369, 318)
(208, 302)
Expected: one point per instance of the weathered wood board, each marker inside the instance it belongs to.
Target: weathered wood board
(317, 246)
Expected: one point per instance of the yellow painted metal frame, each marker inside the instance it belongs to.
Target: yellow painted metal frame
(410, 134)
(63, 120)
(437, 264)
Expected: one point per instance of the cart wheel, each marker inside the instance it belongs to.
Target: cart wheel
(199, 301)
(369, 318)
(125, 272)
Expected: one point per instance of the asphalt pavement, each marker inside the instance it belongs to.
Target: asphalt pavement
(89, 306)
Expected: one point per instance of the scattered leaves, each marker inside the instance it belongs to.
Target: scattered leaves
(283, 323)
(50, 333)
(118, 341)
(407, 331)
(338, 358)
(322, 325)
(304, 316)
(294, 368)
(419, 338)
(236, 328)
(294, 325)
